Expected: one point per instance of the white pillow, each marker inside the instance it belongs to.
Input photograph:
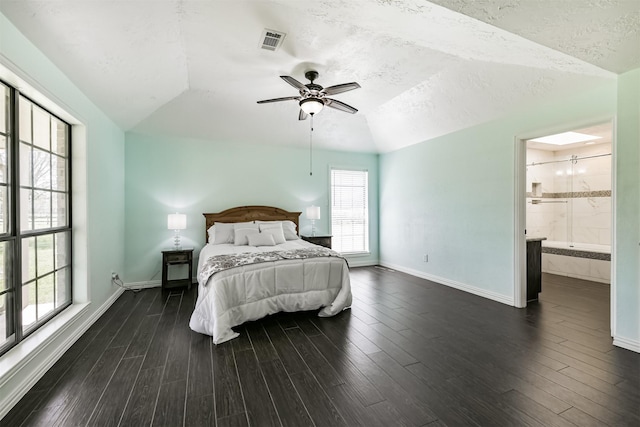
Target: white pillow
(211, 232)
(223, 232)
(288, 227)
(240, 234)
(261, 239)
(275, 230)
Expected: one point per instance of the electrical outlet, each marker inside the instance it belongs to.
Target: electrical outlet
(114, 276)
(425, 258)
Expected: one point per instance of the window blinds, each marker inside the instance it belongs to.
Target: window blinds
(350, 210)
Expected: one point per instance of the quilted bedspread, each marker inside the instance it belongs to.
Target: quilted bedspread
(236, 288)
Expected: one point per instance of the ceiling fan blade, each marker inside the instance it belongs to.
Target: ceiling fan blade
(286, 98)
(302, 115)
(344, 87)
(293, 82)
(334, 103)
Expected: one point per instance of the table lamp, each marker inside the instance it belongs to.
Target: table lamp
(176, 222)
(313, 213)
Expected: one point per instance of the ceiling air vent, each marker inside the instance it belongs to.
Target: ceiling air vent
(271, 40)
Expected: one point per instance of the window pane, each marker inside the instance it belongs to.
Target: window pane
(45, 295)
(4, 167)
(29, 310)
(26, 213)
(41, 128)
(58, 136)
(58, 173)
(61, 250)
(28, 259)
(59, 213)
(41, 169)
(41, 151)
(4, 210)
(25, 120)
(4, 109)
(63, 287)
(41, 210)
(5, 266)
(7, 328)
(45, 254)
(349, 210)
(25, 165)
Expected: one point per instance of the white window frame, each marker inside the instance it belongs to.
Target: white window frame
(367, 220)
(16, 234)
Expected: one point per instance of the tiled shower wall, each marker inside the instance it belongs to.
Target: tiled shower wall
(576, 206)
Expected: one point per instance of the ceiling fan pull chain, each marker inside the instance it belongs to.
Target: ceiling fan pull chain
(311, 148)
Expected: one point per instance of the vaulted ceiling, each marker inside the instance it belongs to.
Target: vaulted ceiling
(195, 68)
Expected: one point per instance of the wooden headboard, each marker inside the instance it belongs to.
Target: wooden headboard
(250, 213)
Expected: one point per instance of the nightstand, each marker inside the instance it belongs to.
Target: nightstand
(176, 257)
(319, 240)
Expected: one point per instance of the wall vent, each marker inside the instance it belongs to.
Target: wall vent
(271, 40)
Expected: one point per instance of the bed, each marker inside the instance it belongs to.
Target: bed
(254, 264)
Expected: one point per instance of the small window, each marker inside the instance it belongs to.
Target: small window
(350, 210)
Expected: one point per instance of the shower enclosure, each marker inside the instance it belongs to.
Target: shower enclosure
(569, 203)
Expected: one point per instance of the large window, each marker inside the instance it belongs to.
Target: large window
(350, 210)
(35, 221)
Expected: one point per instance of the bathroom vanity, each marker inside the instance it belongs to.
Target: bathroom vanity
(534, 267)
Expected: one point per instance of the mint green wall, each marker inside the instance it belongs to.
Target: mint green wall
(165, 175)
(627, 243)
(98, 174)
(453, 197)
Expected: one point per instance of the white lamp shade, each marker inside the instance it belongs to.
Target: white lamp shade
(313, 212)
(176, 221)
(311, 105)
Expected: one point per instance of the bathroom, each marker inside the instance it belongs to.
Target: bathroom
(569, 201)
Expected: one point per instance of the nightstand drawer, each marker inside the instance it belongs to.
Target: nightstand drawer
(319, 240)
(177, 258)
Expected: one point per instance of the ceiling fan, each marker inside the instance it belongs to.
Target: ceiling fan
(313, 97)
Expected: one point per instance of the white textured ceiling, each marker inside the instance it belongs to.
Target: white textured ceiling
(195, 69)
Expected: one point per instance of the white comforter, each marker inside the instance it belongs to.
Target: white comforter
(250, 292)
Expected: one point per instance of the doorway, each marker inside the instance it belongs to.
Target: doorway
(565, 196)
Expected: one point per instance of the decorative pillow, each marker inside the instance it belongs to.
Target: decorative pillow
(288, 227)
(261, 239)
(290, 232)
(241, 232)
(275, 230)
(224, 232)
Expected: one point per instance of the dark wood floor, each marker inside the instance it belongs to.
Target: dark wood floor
(409, 352)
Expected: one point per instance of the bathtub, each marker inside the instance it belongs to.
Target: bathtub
(580, 260)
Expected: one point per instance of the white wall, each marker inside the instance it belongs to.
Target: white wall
(98, 201)
(627, 234)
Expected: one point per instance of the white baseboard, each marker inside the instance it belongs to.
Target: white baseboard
(453, 284)
(34, 374)
(144, 285)
(627, 343)
(354, 263)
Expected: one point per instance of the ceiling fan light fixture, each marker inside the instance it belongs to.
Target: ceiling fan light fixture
(311, 105)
